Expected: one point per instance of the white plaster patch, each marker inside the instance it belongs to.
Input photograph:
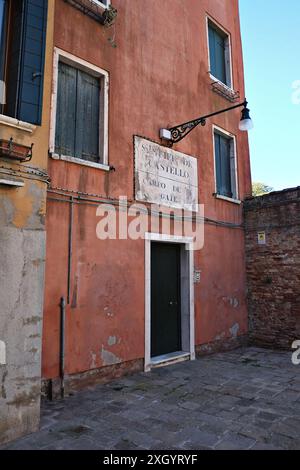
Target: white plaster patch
(234, 302)
(112, 340)
(2, 353)
(93, 360)
(109, 358)
(107, 312)
(234, 330)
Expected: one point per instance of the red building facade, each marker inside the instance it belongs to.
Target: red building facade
(159, 64)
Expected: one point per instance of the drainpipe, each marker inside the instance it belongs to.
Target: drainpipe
(62, 346)
(70, 248)
(63, 305)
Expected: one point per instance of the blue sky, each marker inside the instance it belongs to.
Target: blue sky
(271, 46)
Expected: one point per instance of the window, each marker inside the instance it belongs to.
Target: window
(80, 111)
(22, 55)
(225, 165)
(102, 3)
(219, 54)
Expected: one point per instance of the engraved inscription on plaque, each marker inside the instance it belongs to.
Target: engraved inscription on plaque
(164, 176)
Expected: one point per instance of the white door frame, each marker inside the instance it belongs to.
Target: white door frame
(188, 242)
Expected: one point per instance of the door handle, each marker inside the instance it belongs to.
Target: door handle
(172, 303)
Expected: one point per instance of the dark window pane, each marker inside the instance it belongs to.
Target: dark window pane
(25, 59)
(3, 34)
(223, 165)
(14, 54)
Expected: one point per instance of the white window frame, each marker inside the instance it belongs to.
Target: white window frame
(103, 75)
(234, 170)
(101, 4)
(228, 55)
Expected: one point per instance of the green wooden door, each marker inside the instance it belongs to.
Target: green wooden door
(165, 299)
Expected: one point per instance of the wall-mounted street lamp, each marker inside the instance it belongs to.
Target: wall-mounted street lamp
(177, 133)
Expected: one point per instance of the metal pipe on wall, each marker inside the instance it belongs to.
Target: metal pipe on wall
(70, 248)
(62, 346)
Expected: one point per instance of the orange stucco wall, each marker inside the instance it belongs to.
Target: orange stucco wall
(158, 77)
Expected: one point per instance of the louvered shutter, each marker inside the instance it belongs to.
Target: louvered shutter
(87, 117)
(212, 51)
(217, 54)
(31, 75)
(218, 163)
(77, 114)
(220, 57)
(223, 165)
(66, 110)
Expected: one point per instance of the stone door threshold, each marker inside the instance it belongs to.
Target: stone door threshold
(167, 359)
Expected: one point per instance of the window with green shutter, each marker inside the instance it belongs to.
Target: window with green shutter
(219, 54)
(22, 55)
(77, 114)
(225, 165)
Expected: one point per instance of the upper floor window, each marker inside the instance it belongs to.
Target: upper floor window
(219, 54)
(22, 54)
(225, 164)
(81, 111)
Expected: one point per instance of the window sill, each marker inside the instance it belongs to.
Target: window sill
(20, 125)
(228, 199)
(224, 90)
(78, 161)
(214, 79)
(100, 4)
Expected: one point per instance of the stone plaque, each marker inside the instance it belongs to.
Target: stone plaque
(164, 176)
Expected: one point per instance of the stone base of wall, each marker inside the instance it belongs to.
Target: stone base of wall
(276, 342)
(51, 388)
(20, 424)
(223, 345)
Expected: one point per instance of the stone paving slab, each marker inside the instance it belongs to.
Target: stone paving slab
(244, 399)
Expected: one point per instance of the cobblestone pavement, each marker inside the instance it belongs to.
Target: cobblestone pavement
(245, 399)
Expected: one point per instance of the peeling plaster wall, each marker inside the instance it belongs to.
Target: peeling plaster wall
(22, 266)
(21, 299)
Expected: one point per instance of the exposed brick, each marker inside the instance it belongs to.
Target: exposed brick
(273, 269)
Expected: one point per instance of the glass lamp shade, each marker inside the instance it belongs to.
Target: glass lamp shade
(246, 124)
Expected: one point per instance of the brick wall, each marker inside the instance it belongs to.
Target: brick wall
(273, 268)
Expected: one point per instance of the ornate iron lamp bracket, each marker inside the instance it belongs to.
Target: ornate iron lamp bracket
(182, 130)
